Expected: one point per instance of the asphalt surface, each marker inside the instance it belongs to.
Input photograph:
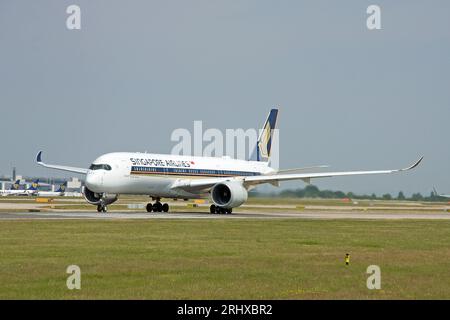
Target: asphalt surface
(203, 215)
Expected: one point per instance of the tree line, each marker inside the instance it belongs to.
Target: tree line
(312, 191)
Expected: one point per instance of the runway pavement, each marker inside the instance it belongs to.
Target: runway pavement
(203, 215)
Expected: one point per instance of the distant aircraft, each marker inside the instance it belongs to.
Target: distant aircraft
(15, 185)
(60, 192)
(226, 181)
(16, 191)
(441, 195)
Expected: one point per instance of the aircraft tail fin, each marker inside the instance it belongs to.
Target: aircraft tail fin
(34, 185)
(435, 192)
(62, 187)
(264, 144)
(15, 185)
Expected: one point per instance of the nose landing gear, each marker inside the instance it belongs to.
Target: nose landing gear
(102, 208)
(100, 199)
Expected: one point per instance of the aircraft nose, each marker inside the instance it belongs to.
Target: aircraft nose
(92, 181)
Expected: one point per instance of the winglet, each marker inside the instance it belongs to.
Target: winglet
(39, 157)
(413, 165)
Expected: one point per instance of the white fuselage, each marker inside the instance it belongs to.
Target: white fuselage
(49, 194)
(17, 192)
(154, 174)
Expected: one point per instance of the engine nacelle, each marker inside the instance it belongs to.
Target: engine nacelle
(229, 194)
(96, 198)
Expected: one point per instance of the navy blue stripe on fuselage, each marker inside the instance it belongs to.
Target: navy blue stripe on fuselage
(191, 172)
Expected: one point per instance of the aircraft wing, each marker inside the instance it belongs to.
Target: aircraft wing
(307, 176)
(283, 171)
(205, 184)
(58, 167)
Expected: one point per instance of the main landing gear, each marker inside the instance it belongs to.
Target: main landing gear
(157, 206)
(219, 210)
(102, 208)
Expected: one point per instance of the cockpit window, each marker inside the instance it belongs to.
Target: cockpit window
(100, 167)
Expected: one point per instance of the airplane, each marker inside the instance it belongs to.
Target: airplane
(16, 191)
(13, 189)
(224, 180)
(441, 195)
(60, 192)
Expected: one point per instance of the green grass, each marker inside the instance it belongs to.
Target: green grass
(224, 259)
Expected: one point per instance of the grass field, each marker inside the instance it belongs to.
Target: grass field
(224, 259)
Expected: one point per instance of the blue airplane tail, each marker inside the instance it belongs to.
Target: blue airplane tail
(62, 187)
(34, 185)
(15, 185)
(264, 145)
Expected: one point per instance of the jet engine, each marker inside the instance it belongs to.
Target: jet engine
(229, 194)
(97, 198)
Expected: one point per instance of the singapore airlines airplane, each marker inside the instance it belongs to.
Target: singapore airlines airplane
(226, 181)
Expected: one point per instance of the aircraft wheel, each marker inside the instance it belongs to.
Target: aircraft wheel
(104, 209)
(99, 208)
(149, 207)
(220, 210)
(157, 207)
(212, 209)
(165, 207)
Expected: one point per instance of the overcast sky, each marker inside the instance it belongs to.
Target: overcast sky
(350, 98)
